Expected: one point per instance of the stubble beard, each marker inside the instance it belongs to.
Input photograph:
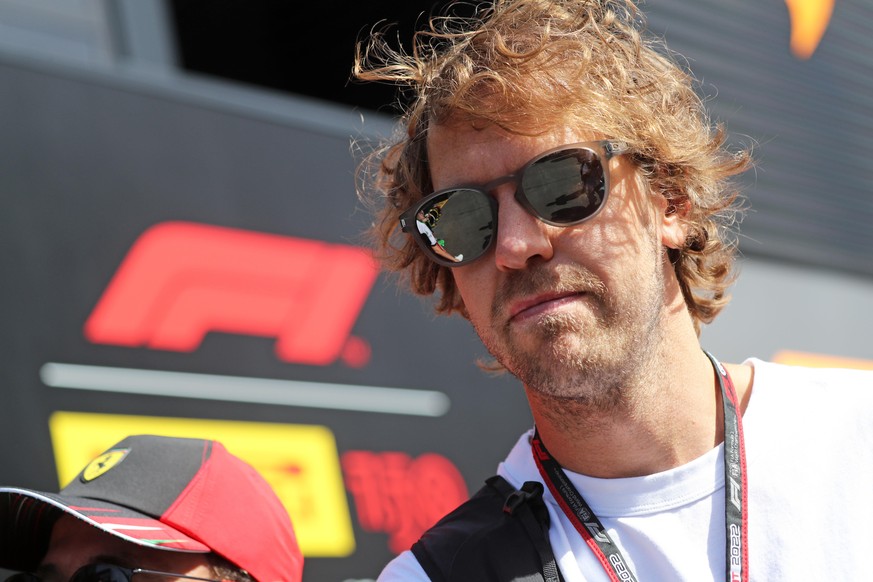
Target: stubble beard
(581, 361)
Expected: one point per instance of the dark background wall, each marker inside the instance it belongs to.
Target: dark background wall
(270, 44)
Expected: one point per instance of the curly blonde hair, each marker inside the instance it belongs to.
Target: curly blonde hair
(529, 66)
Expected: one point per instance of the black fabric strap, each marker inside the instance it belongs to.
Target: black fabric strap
(499, 535)
(528, 505)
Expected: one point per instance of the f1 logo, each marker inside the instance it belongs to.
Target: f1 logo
(597, 533)
(181, 280)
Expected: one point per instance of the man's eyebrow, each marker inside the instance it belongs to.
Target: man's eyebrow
(123, 558)
(48, 572)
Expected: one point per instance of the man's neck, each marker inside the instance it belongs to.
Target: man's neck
(668, 418)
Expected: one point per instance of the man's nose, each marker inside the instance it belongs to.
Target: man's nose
(520, 235)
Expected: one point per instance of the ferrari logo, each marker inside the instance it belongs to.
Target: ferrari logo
(103, 463)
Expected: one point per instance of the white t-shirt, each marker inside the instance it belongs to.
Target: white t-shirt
(426, 231)
(809, 452)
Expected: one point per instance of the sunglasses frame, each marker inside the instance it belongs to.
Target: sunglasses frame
(605, 150)
(129, 573)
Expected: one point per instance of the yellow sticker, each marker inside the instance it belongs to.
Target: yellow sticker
(103, 463)
(300, 462)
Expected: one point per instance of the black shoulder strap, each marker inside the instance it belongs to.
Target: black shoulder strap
(527, 505)
(500, 534)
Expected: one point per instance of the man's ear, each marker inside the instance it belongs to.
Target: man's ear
(671, 214)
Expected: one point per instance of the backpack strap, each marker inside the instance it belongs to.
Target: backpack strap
(500, 535)
(528, 506)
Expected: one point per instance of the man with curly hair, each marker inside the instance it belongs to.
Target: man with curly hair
(585, 197)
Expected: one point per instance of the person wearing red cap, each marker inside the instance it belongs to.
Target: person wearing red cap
(152, 508)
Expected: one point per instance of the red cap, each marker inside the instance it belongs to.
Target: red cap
(175, 494)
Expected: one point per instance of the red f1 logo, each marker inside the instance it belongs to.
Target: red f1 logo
(181, 280)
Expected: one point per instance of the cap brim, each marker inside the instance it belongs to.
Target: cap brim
(23, 517)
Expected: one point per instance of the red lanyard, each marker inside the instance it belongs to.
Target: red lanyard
(736, 514)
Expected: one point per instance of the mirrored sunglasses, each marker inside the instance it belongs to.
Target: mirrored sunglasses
(110, 573)
(561, 187)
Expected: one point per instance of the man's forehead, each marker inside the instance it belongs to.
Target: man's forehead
(463, 152)
(476, 131)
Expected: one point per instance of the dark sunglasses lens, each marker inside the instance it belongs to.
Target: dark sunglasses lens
(457, 226)
(566, 186)
(101, 573)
